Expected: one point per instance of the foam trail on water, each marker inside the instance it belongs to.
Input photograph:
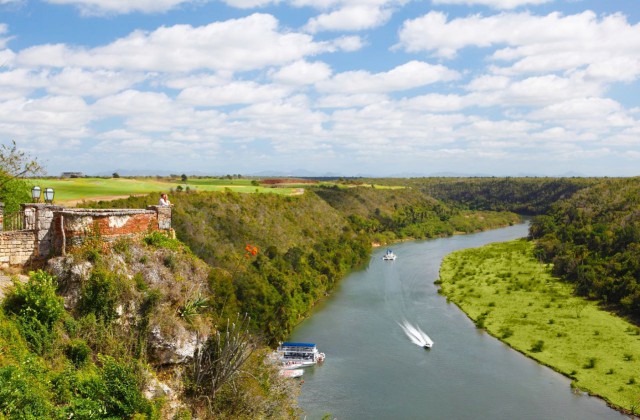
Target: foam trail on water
(415, 334)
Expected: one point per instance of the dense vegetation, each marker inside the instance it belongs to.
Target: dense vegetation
(305, 243)
(510, 294)
(528, 196)
(95, 342)
(593, 241)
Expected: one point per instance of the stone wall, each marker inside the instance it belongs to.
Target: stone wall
(52, 230)
(17, 248)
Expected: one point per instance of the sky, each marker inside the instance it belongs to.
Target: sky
(323, 87)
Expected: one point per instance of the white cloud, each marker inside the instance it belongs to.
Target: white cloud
(349, 101)
(47, 113)
(407, 76)
(101, 7)
(530, 91)
(349, 18)
(302, 73)
(75, 81)
(496, 4)
(585, 114)
(232, 93)
(250, 4)
(234, 45)
(573, 43)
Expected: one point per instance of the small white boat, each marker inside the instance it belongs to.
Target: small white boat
(389, 256)
(291, 373)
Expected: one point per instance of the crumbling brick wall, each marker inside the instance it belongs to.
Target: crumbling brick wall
(52, 230)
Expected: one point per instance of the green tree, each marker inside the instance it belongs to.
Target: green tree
(14, 166)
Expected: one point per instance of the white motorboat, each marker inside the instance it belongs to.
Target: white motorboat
(389, 256)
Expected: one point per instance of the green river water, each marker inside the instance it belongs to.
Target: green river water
(374, 371)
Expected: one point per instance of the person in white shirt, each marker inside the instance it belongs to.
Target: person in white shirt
(164, 200)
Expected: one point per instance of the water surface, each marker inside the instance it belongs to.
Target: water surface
(374, 371)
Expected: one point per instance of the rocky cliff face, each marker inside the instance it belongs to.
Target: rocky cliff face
(150, 288)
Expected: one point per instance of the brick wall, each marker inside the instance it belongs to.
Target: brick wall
(52, 230)
(73, 226)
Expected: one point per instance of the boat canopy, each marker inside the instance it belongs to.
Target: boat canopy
(293, 344)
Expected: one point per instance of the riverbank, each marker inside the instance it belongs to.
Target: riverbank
(508, 293)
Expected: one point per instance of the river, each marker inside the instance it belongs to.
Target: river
(374, 371)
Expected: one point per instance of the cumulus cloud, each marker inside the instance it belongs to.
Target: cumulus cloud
(234, 45)
(534, 44)
(349, 18)
(407, 76)
(302, 73)
(232, 93)
(101, 7)
(495, 4)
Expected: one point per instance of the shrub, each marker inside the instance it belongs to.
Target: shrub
(122, 395)
(160, 240)
(23, 396)
(537, 346)
(37, 309)
(591, 363)
(78, 352)
(100, 295)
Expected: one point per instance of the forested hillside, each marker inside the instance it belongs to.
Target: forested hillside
(402, 213)
(305, 243)
(527, 196)
(593, 240)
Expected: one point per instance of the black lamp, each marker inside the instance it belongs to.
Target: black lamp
(48, 195)
(35, 194)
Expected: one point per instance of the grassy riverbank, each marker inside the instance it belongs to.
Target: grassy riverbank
(507, 292)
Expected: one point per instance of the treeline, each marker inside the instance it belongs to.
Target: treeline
(407, 213)
(527, 196)
(593, 241)
(305, 243)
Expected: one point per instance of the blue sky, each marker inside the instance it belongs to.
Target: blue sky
(346, 87)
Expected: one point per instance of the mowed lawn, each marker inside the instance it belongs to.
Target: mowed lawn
(74, 190)
(507, 292)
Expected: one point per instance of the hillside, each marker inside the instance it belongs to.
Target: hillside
(593, 241)
(130, 332)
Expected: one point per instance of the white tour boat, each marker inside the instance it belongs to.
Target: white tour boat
(304, 354)
(389, 256)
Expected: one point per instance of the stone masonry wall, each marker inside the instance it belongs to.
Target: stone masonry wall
(52, 230)
(17, 248)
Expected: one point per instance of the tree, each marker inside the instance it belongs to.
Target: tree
(14, 166)
(184, 177)
(116, 175)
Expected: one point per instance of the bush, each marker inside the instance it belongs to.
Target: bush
(160, 240)
(37, 309)
(23, 396)
(100, 295)
(537, 346)
(122, 395)
(78, 352)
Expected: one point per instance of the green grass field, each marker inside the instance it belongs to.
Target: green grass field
(73, 190)
(507, 292)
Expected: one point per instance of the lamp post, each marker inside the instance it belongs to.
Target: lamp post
(35, 194)
(48, 195)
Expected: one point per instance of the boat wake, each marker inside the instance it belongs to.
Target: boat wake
(416, 335)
